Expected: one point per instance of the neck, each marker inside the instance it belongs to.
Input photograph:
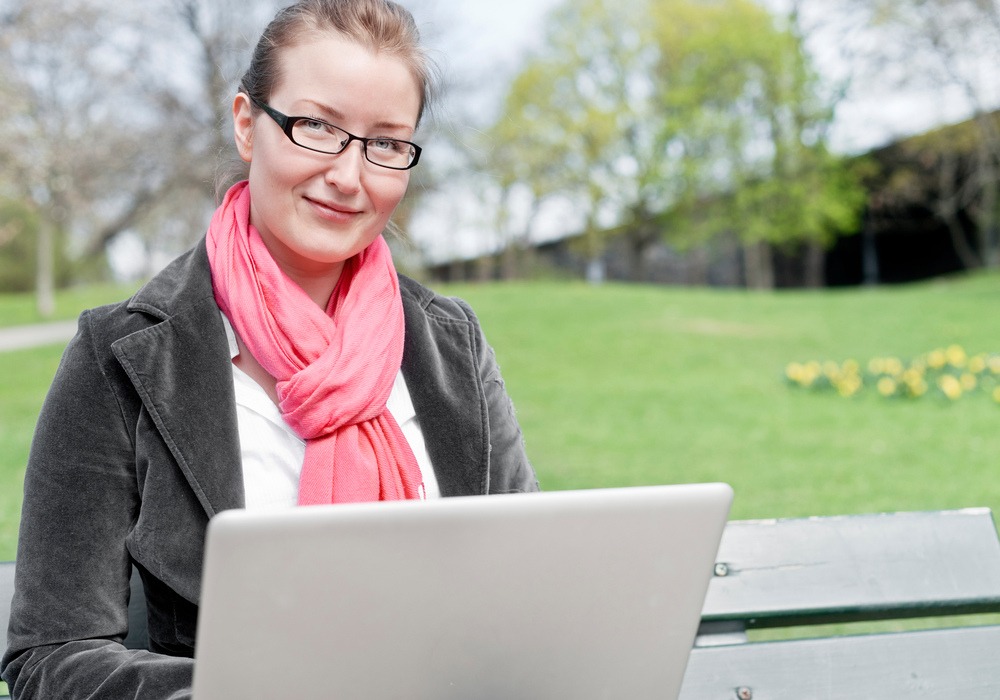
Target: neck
(318, 285)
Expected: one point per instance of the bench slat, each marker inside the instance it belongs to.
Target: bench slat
(858, 567)
(955, 663)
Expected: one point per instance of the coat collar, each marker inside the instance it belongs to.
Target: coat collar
(180, 368)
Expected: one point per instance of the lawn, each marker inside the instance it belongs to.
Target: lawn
(631, 384)
(19, 309)
(644, 385)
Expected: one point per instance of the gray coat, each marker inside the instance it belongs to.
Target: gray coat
(136, 448)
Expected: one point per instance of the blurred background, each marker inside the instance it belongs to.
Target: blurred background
(727, 143)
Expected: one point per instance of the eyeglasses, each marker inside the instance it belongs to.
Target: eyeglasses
(322, 137)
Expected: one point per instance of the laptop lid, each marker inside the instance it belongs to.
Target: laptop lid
(565, 594)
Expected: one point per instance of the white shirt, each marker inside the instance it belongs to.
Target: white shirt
(272, 453)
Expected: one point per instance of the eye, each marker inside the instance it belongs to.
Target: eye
(315, 125)
(388, 145)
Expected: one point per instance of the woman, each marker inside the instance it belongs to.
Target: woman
(280, 361)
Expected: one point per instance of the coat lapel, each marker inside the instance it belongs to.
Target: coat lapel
(444, 386)
(180, 368)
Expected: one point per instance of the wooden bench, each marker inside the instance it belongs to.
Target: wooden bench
(789, 573)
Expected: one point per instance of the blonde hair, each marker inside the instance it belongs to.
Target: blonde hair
(381, 26)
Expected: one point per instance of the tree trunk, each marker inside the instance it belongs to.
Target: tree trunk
(485, 265)
(640, 240)
(45, 274)
(696, 267)
(948, 208)
(596, 271)
(869, 253)
(815, 259)
(510, 261)
(758, 265)
(989, 245)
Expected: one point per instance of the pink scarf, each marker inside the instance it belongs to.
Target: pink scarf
(334, 369)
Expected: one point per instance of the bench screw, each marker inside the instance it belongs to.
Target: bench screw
(744, 693)
(721, 569)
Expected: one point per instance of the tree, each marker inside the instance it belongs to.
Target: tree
(566, 115)
(92, 140)
(676, 119)
(756, 132)
(947, 49)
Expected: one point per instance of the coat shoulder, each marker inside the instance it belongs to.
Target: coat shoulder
(417, 296)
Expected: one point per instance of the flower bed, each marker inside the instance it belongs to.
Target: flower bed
(949, 373)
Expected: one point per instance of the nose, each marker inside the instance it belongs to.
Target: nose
(344, 170)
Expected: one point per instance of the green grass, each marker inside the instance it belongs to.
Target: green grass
(627, 385)
(624, 385)
(23, 384)
(19, 309)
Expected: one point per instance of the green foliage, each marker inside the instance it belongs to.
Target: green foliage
(18, 231)
(18, 249)
(705, 116)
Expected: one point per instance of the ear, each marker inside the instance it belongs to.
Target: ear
(243, 125)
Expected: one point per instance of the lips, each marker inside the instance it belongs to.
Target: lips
(332, 209)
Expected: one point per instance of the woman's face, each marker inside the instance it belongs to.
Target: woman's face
(314, 210)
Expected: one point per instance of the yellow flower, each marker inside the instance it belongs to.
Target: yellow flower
(936, 359)
(803, 374)
(968, 381)
(894, 377)
(951, 387)
(793, 371)
(914, 380)
(956, 356)
(849, 385)
(892, 365)
(886, 386)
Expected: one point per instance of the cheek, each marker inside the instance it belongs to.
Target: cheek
(387, 192)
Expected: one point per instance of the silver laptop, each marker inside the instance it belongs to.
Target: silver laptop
(565, 594)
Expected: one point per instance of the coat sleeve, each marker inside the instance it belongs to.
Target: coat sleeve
(69, 614)
(509, 470)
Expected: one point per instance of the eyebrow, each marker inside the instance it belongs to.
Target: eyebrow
(338, 116)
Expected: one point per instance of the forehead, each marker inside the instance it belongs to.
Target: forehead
(348, 78)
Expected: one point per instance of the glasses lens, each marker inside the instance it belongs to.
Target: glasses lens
(319, 136)
(390, 153)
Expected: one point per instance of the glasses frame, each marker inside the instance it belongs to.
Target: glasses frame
(287, 123)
